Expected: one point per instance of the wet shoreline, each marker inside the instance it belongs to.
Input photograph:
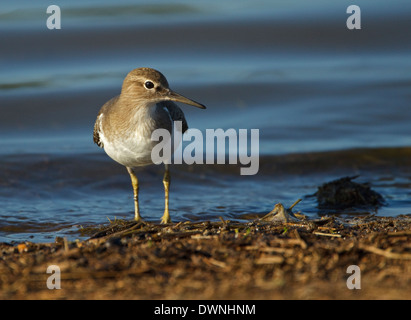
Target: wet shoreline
(36, 186)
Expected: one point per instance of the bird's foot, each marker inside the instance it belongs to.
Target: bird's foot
(166, 218)
(138, 218)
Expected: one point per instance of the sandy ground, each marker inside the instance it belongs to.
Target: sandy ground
(218, 260)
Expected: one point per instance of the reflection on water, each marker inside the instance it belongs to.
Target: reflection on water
(290, 69)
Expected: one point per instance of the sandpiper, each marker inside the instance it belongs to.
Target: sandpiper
(125, 124)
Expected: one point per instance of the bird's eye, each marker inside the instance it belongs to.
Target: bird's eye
(149, 85)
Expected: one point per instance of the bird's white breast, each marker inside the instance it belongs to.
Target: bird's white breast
(130, 146)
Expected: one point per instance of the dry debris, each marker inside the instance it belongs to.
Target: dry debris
(298, 259)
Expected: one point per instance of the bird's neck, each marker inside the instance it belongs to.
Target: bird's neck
(136, 110)
(136, 102)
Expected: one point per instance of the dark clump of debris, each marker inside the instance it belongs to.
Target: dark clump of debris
(344, 194)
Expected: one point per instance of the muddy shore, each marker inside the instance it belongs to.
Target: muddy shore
(218, 260)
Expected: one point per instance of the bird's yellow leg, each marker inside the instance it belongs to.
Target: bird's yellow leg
(134, 182)
(166, 181)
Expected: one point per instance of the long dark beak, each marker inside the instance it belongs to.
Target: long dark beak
(174, 96)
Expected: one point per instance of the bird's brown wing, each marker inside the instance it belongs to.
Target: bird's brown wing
(97, 124)
(176, 113)
(96, 133)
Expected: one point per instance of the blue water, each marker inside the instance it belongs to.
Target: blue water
(290, 69)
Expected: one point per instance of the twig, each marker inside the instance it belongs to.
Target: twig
(399, 233)
(269, 260)
(214, 262)
(327, 234)
(303, 244)
(287, 251)
(385, 253)
(66, 246)
(222, 220)
(294, 204)
(97, 238)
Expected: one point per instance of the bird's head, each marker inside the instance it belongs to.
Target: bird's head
(150, 85)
